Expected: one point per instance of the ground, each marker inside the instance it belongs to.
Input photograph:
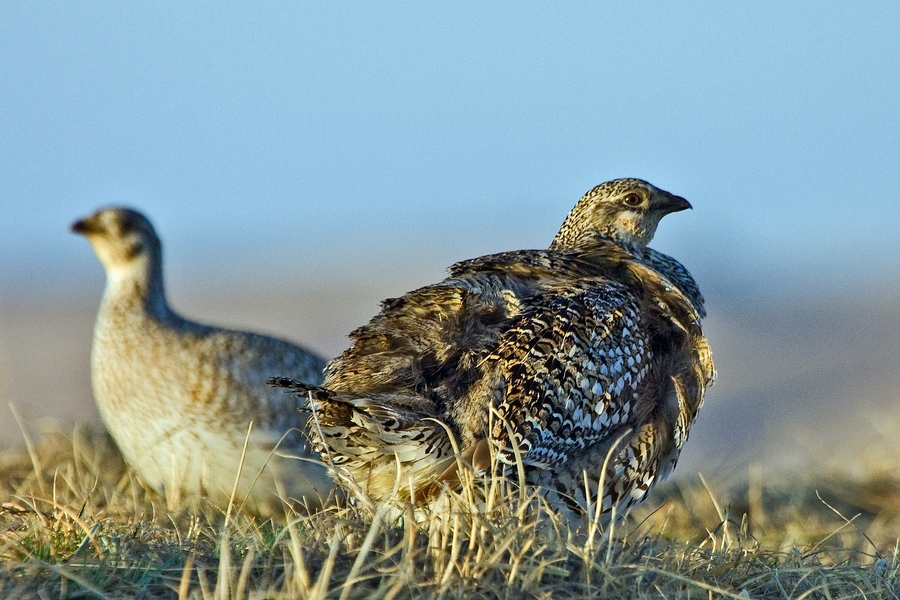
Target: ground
(76, 523)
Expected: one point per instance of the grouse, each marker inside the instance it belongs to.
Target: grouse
(179, 397)
(587, 358)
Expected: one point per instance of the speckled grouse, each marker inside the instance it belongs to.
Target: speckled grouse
(178, 397)
(587, 354)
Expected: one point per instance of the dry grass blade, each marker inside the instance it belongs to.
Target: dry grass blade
(363, 552)
(29, 444)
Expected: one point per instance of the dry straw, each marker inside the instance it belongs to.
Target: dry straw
(75, 523)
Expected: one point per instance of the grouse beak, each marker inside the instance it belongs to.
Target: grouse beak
(84, 226)
(668, 203)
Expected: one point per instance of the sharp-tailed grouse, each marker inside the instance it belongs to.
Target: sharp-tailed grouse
(178, 397)
(587, 354)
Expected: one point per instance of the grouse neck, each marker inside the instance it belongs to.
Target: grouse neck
(140, 285)
(595, 240)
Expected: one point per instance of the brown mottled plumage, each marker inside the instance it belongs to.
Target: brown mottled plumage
(178, 397)
(588, 352)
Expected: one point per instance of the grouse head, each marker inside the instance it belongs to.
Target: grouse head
(624, 211)
(123, 239)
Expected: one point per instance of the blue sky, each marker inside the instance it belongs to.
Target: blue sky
(318, 141)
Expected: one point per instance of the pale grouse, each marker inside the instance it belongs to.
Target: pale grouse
(178, 397)
(586, 354)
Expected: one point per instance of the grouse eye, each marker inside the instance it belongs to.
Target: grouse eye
(127, 226)
(632, 199)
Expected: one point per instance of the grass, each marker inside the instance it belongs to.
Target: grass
(75, 523)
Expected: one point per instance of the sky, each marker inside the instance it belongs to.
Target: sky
(327, 141)
(348, 152)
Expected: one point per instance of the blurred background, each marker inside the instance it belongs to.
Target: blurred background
(303, 161)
